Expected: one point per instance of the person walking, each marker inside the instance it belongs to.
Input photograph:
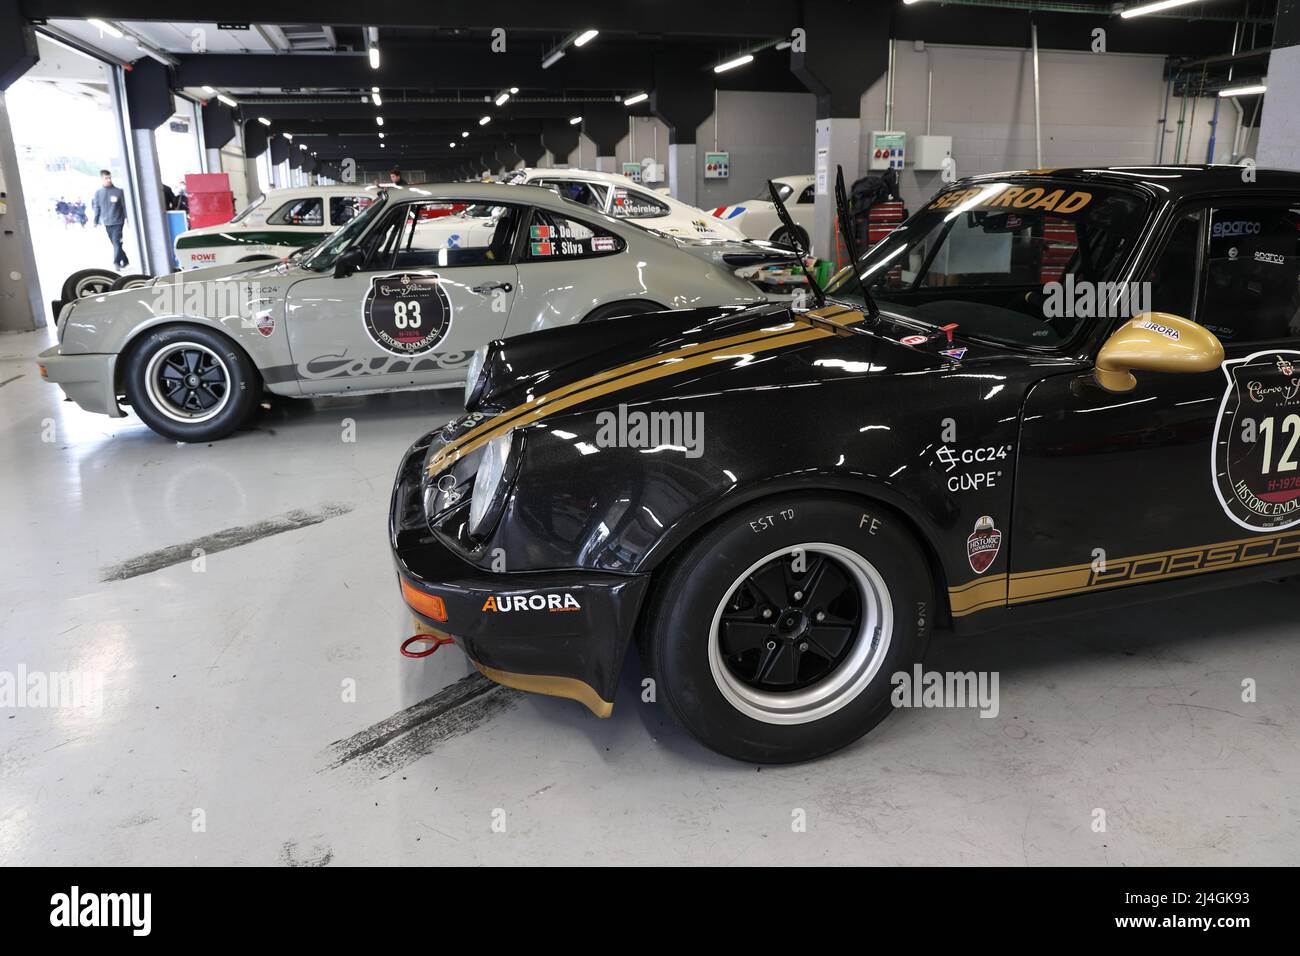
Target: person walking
(110, 209)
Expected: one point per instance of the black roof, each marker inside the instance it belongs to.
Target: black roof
(1171, 181)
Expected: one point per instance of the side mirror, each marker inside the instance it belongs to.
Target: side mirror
(1155, 342)
(348, 262)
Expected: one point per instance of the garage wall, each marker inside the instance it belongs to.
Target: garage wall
(1097, 109)
(767, 134)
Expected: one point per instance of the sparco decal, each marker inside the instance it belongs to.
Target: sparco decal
(1254, 461)
(335, 366)
(983, 545)
(502, 603)
(406, 314)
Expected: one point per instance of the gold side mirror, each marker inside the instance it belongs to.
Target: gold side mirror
(1155, 342)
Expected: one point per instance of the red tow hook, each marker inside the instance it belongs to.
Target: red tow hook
(435, 641)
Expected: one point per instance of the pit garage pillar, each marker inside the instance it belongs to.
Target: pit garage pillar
(149, 104)
(605, 125)
(218, 129)
(683, 98)
(21, 307)
(529, 147)
(844, 49)
(253, 137)
(1279, 125)
(560, 138)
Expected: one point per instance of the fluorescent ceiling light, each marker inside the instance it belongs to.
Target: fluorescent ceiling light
(636, 98)
(1153, 7)
(452, 144)
(264, 121)
(103, 27)
(289, 137)
(575, 121)
(381, 135)
(785, 44)
(732, 64)
(464, 134)
(585, 37)
(1243, 90)
(382, 146)
(228, 101)
(501, 100)
(514, 90)
(552, 58)
(374, 56)
(379, 121)
(484, 121)
(376, 99)
(302, 145)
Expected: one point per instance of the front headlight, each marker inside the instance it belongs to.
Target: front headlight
(489, 484)
(472, 383)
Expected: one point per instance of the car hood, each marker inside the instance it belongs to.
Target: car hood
(703, 350)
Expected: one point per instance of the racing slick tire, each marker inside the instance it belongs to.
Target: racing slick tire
(773, 637)
(130, 282)
(782, 238)
(88, 282)
(617, 310)
(191, 384)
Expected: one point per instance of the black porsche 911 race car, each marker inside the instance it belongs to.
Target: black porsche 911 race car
(1046, 392)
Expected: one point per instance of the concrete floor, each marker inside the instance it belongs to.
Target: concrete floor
(224, 694)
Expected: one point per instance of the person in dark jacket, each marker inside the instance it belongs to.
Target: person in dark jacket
(395, 177)
(109, 205)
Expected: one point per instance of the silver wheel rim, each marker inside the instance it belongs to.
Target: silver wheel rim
(215, 376)
(93, 285)
(843, 685)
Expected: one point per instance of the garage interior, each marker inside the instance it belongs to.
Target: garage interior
(237, 599)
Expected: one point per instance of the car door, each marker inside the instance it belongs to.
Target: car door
(558, 285)
(414, 312)
(1186, 474)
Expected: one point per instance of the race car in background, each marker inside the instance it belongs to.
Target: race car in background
(622, 198)
(757, 218)
(385, 303)
(276, 224)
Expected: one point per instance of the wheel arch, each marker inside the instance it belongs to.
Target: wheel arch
(643, 305)
(692, 527)
(132, 342)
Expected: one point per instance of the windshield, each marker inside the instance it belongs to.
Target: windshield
(249, 208)
(1006, 261)
(322, 257)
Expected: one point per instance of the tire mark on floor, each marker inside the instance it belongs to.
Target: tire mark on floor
(220, 541)
(406, 736)
(8, 380)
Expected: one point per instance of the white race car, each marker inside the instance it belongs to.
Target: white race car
(757, 219)
(274, 225)
(621, 198)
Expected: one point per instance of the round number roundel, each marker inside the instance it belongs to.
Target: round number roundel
(406, 314)
(1256, 466)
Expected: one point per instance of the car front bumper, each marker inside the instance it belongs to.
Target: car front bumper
(563, 633)
(87, 379)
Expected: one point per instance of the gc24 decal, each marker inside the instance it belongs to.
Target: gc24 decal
(985, 476)
(1255, 453)
(406, 314)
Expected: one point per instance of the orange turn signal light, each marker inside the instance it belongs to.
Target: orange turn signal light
(431, 606)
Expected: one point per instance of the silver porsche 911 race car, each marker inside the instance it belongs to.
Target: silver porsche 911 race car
(400, 297)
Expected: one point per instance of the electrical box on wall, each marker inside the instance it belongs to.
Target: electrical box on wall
(931, 151)
(888, 149)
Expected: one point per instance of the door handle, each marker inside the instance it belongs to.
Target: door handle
(490, 286)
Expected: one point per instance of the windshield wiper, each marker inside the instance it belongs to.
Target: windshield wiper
(792, 233)
(851, 241)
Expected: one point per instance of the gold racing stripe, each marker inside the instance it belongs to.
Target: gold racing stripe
(625, 376)
(1043, 584)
